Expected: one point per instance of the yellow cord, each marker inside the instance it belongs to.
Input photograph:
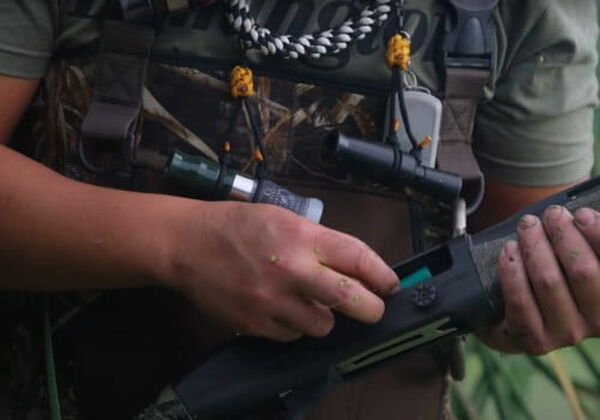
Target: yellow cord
(258, 155)
(398, 52)
(425, 142)
(241, 82)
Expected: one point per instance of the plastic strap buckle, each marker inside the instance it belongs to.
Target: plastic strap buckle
(468, 40)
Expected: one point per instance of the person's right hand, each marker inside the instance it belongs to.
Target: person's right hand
(264, 271)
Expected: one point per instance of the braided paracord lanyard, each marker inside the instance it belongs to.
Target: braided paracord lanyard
(241, 84)
(316, 44)
(398, 60)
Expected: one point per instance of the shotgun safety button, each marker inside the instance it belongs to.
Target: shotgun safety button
(424, 295)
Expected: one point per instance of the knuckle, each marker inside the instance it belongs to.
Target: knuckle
(548, 281)
(292, 230)
(363, 261)
(263, 304)
(570, 339)
(573, 336)
(517, 304)
(284, 222)
(508, 268)
(323, 274)
(304, 231)
(342, 292)
(525, 337)
(584, 268)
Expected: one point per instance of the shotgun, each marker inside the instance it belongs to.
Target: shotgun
(449, 290)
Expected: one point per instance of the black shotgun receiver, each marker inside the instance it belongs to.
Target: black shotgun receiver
(449, 290)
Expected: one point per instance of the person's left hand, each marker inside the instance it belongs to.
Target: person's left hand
(550, 281)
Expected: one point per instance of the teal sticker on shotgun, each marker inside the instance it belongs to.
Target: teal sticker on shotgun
(416, 277)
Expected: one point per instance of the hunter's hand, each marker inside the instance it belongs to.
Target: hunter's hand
(265, 271)
(551, 283)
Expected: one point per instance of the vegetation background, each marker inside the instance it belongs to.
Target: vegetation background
(515, 387)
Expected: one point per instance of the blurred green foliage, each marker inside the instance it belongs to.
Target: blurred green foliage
(510, 387)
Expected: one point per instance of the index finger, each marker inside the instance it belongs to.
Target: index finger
(339, 292)
(349, 255)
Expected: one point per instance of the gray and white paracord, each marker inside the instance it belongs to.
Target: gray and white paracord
(316, 44)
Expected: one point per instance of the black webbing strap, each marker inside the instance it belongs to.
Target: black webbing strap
(468, 48)
(120, 72)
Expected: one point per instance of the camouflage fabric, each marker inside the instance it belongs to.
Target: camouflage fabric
(170, 410)
(294, 118)
(167, 407)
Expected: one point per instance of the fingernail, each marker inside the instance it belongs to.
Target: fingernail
(585, 217)
(553, 212)
(395, 287)
(527, 221)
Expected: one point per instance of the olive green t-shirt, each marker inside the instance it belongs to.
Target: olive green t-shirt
(534, 127)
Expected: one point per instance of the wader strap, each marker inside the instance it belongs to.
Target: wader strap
(467, 53)
(120, 73)
(464, 88)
